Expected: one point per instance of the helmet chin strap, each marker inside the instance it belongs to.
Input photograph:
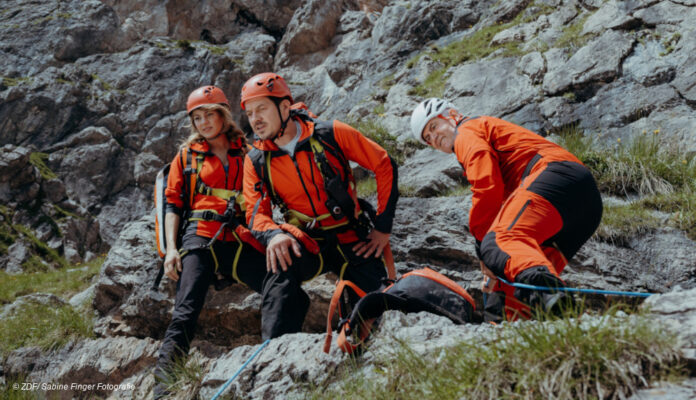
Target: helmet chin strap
(283, 124)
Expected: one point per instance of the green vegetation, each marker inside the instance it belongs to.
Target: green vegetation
(572, 358)
(185, 377)
(46, 253)
(571, 37)
(570, 96)
(458, 190)
(7, 234)
(45, 326)
(620, 223)
(217, 50)
(663, 177)
(681, 205)
(104, 84)
(183, 44)
(670, 43)
(366, 187)
(473, 47)
(387, 82)
(374, 130)
(379, 109)
(9, 82)
(61, 282)
(38, 160)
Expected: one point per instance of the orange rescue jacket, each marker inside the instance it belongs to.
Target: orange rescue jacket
(495, 154)
(213, 175)
(299, 183)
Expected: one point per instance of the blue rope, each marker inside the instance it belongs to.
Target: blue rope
(222, 389)
(576, 290)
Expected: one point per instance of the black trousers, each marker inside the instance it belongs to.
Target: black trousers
(198, 274)
(285, 304)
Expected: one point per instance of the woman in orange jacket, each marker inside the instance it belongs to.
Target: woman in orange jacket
(534, 204)
(206, 241)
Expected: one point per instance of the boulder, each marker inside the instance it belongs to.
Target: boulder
(598, 61)
(492, 87)
(430, 173)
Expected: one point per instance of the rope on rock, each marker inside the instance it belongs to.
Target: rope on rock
(222, 389)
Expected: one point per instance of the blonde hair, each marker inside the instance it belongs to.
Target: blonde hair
(228, 126)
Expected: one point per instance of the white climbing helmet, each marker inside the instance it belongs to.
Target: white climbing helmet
(424, 112)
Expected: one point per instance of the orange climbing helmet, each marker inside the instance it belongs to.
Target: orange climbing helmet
(205, 95)
(267, 84)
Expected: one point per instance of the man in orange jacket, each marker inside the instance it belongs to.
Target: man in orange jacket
(301, 164)
(534, 204)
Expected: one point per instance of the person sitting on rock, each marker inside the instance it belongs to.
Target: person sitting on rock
(212, 244)
(534, 204)
(301, 164)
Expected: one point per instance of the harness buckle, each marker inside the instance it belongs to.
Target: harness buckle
(312, 224)
(208, 215)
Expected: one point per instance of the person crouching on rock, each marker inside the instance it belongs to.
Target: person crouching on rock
(301, 164)
(207, 242)
(534, 204)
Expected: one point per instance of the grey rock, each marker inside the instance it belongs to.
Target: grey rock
(94, 150)
(533, 65)
(668, 391)
(45, 299)
(83, 298)
(274, 15)
(557, 111)
(647, 66)
(429, 174)
(311, 29)
(611, 15)
(434, 232)
(490, 87)
(521, 33)
(508, 10)
(54, 189)
(599, 60)
(93, 361)
(666, 13)
(685, 80)
(22, 361)
(618, 104)
(17, 253)
(127, 306)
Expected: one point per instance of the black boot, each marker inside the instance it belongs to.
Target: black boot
(552, 302)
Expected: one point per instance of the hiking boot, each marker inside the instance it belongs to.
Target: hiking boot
(550, 302)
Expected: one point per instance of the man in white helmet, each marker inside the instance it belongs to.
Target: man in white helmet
(534, 204)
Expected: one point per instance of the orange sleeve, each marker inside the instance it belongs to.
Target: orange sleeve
(483, 173)
(259, 212)
(175, 181)
(372, 156)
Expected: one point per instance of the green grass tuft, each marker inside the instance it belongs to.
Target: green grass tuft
(397, 150)
(62, 282)
(681, 205)
(562, 359)
(38, 160)
(571, 37)
(621, 223)
(44, 326)
(366, 187)
(185, 377)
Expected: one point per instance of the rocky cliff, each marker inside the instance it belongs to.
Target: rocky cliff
(92, 95)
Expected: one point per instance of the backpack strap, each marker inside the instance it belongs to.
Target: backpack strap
(333, 306)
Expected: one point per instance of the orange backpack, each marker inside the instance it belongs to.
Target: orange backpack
(419, 290)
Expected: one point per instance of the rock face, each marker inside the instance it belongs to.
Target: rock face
(92, 99)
